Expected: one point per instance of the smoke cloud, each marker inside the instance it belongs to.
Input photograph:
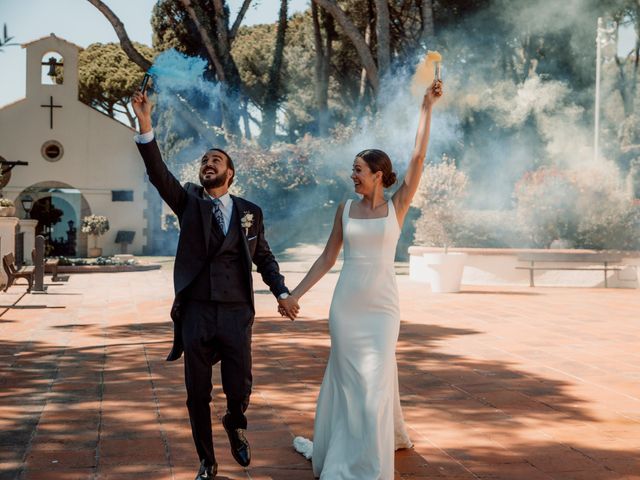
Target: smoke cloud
(500, 116)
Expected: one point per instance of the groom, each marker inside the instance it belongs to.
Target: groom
(213, 311)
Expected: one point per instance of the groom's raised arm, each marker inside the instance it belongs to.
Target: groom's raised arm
(160, 177)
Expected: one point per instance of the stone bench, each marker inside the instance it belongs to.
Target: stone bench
(590, 261)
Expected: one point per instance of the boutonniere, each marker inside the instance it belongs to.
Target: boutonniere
(246, 222)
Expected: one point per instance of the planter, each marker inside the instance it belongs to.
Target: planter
(95, 252)
(444, 271)
(7, 211)
(418, 269)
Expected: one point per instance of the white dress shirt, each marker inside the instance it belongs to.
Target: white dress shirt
(144, 137)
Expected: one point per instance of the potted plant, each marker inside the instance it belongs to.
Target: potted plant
(7, 208)
(95, 225)
(440, 199)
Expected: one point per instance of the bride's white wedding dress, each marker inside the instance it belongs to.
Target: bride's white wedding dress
(358, 422)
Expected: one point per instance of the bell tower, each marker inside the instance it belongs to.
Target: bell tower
(52, 71)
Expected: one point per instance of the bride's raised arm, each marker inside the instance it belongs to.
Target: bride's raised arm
(404, 195)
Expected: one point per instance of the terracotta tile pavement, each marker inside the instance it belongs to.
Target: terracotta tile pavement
(496, 383)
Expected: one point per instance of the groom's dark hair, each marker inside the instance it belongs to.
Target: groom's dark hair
(229, 162)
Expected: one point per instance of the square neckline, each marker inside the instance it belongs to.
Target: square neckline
(373, 218)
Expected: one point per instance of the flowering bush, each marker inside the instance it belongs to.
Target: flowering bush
(95, 225)
(546, 200)
(5, 202)
(490, 229)
(584, 208)
(440, 197)
(170, 223)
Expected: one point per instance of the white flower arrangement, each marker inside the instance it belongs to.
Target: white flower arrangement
(95, 225)
(5, 202)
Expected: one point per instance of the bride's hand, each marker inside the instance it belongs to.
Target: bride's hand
(289, 307)
(433, 93)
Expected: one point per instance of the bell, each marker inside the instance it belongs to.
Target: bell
(52, 66)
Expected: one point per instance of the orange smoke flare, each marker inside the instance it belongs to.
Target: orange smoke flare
(427, 71)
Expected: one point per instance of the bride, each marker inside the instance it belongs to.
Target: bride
(358, 422)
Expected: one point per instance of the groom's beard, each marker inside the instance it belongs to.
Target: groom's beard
(217, 181)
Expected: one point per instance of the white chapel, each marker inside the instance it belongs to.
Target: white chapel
(80, 161)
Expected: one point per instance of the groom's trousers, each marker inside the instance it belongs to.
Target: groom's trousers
(214, 332)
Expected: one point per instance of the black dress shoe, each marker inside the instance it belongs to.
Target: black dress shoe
(207, 473)
(240, 448)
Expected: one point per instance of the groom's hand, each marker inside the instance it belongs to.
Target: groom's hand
(289, 307)
(142, 108)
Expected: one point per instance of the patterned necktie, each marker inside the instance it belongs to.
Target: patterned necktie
(218, 214)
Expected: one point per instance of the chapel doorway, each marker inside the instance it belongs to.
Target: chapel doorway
(59, 209)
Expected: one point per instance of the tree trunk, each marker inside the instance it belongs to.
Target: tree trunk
(364, 53)
(238, 20)
(245, 118)
(329, 26)
(233, 86)
(126, 44)
(222, 27)
(428, 25)
(273, 95)
(627, 101)
(530, 49)
(206, 40)
(320, 87)
(382, 36)
(636, 62)
(220, 55)
(130, 116)
(363, 75)
(324, 52)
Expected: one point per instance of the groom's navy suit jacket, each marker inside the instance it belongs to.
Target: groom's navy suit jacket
(195, 215)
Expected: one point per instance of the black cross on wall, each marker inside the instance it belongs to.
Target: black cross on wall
(51, 106)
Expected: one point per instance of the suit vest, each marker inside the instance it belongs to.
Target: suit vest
(224, 276)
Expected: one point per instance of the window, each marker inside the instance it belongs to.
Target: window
(52, 150)
(122, 195)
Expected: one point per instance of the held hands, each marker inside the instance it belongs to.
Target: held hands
(288, 307)
(142, 108)
(433, 93)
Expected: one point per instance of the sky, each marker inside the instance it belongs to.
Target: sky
(81, 23)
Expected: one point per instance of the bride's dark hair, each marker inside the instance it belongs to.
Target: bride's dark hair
(379, 161)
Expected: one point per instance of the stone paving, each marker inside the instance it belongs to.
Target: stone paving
(496, 383)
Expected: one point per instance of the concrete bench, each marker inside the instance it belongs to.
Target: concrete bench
(13, 272)
(591, 261)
